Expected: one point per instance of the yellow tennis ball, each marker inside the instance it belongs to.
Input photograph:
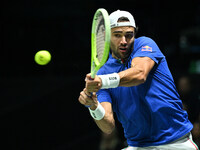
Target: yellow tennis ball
(42, 57)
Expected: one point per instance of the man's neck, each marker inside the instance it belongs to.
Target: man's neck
(121, 60)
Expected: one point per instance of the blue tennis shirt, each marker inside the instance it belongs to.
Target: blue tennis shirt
(150, 113)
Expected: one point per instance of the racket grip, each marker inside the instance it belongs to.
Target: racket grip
(91, 78)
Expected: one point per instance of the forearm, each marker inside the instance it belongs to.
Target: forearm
(136, 75)
(101, 112)
(131, 77)
(127, 78)
(106, 125)
(107, 122)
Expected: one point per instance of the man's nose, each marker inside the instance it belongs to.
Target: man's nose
(123, 40)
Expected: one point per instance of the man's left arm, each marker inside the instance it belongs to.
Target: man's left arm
(136, 75)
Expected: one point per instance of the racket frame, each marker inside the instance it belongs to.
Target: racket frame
(95, 63)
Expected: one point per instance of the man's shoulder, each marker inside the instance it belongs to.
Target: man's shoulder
(143, 39)
(145, 43)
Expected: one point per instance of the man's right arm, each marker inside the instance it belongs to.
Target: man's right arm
(107, 123)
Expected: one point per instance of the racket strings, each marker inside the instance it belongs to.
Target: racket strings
(100, 37)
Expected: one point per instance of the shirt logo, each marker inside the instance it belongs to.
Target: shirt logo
(112, 78)
(146, 48)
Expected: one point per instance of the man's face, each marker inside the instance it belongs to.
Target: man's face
(122, 39)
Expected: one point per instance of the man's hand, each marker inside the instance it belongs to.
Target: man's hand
(87, 99)
(92, 85)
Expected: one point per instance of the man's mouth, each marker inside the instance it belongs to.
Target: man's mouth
(122, 49)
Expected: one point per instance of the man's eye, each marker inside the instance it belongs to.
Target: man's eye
(129, 36)
(117, 35)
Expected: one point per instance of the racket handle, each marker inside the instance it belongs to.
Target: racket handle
(91, 78)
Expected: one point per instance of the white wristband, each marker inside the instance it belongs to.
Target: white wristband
(109, 80)
(98, 113)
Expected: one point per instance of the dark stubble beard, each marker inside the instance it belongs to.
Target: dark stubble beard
(129, 51)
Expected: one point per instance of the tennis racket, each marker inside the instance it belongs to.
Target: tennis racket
(100, 40)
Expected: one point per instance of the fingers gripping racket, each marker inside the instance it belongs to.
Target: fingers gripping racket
(100, 40)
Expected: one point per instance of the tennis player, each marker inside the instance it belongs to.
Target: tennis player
(137, 85)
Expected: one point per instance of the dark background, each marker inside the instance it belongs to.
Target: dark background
(39, 106)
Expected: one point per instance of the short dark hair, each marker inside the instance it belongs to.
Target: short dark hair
(125, 19)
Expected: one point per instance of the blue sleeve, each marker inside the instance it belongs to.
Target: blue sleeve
(103, 95)
(146, 47)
